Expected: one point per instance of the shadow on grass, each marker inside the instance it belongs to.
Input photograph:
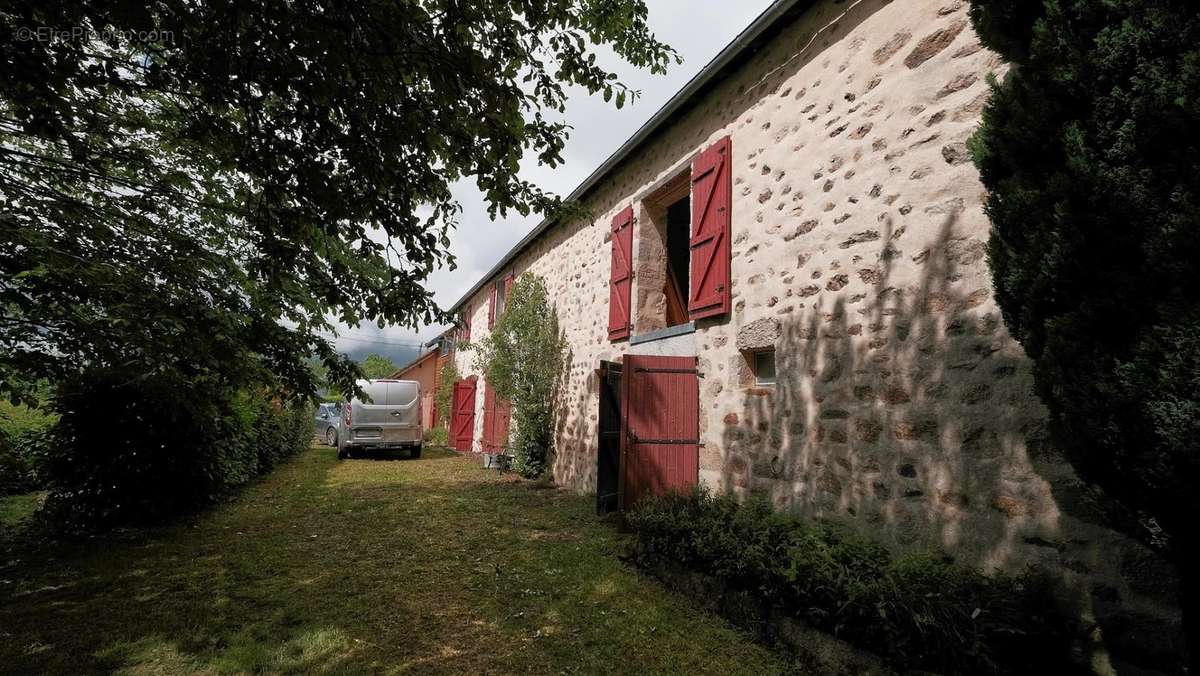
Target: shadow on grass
(350, 566)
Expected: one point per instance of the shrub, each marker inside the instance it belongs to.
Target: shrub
(139, 449)
(24, 441)
(918, 611)
(444, 398)
(522, 358)
(438, 436)
(1088, 150)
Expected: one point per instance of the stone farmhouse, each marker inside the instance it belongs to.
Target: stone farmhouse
(784, 290)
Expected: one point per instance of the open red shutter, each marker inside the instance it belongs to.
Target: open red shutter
(711, 197)
(508, 282)
(620, 279)
(492, 309)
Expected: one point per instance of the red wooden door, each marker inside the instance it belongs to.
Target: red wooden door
(503, 413)
(462, 416)
(496, 413)
(660, 415)
(489, 419)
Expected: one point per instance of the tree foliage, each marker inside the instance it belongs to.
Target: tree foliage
(523, 360)
(1089, 149)
(201, 189)
(377, 366)
(445, 394)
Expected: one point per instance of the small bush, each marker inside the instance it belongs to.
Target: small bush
(24, 441)
(138, 449)
(524, 359)
(918, 611)
(438, 436)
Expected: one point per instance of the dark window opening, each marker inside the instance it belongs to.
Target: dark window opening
(679, 233)
(764, 367)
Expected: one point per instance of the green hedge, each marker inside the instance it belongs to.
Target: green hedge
(917, 611)
(132, 449)
(24, 442)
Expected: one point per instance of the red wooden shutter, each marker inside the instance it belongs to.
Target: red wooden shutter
(508, 282)
(492, 309)
(620, 280)
(711, 197)
(466, 326)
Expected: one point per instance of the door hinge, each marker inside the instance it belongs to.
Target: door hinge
(633, 438)
(696, 372)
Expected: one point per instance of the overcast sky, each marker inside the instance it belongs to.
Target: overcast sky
(697, 29)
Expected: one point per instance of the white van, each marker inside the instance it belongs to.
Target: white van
(391, 421)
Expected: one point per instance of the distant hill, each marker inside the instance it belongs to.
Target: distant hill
(400, 354)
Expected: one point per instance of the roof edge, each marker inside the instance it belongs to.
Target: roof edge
(769, 18)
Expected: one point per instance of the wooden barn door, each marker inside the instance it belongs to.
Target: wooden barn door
(462, 415)
(488, 438)
(503, 415)
(660, 426)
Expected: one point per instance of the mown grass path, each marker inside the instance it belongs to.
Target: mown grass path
(401, 566)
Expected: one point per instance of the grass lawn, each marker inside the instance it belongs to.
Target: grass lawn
(426, 566)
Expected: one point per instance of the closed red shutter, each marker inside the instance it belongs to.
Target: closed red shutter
(492, 309)
(711, 197)
(620, 280)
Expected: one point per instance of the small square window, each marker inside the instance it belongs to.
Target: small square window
(764, 367)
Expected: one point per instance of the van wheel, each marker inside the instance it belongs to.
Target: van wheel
(331, 436)
(415, 452)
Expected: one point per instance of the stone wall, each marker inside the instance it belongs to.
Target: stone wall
(902, 404)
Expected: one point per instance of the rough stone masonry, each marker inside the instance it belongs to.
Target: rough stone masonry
(901, 405)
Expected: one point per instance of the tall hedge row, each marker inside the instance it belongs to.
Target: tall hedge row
(133, 449)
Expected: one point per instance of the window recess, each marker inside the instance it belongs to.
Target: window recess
(763, 363)
(664, 258)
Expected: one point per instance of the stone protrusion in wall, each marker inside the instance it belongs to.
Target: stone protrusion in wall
(760, 334)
